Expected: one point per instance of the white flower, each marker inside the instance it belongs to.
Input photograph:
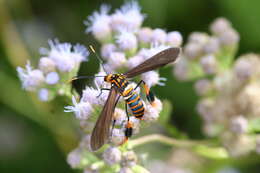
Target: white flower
(120, 116)
(31, 79)
(202, 86)
(82, 110)
(65, 56)
(46, 65)
(128, 17)
(155, 48)
(243, 69)
(79, 53)
(85, 142)
(145, 35)
(198, 38)
(126, 40)
(90, 95)
(180, 70)
(106, 49)
(99, 24)
(193, 50)
(174, 39)
(204, 108)
(229, 37)
(129, 159)
(43, 94)
(212, 45)
(157, 104)
(52, 78)
(151, 113)
(118, 136)
(209, 64)
(134, 61)
(152, 78)
(239, 124)
(74, 158)
(159, 36)
(99, 81)
(220, 25)
(116, 60)
(112, 155)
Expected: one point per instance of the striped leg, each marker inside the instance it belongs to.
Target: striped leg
(129, 127)
(148, 92)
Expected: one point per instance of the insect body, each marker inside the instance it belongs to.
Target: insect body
(127, 91)
(121, 87)
(131, 97)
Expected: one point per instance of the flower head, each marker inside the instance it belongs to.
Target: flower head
(112, 155)
(174, 39)
(128, 17)
(152, 78)
(46, 65)
(44, 94)
(31, 79)
(126, 40)
(99, 24)
(82, 109)
(52, 78)
(65, 56)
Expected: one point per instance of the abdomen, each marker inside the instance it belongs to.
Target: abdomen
(135, 103)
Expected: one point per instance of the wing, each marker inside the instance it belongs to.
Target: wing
(100, 132)
(160, 59)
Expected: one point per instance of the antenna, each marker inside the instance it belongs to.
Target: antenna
(82, 77)
(98, 57)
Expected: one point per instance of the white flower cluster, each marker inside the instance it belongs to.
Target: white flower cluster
(125, 43)
(205, 54)
(229, 90)
(232, 109)
(58, 64)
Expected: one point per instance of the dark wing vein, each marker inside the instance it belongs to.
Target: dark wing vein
(100, 132)
(160, 59)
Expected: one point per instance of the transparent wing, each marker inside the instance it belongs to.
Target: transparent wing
(160, 59)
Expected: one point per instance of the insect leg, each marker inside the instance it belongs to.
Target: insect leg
(101, 90)
(149, 94)
(128, 126)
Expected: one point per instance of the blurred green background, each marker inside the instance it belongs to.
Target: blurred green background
(35, 136)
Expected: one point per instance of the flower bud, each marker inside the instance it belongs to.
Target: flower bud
(112, 155)
(202, 86)
(52, 78)
(219, 26)
(174, 39)
(144, 35)
(212, 46)
(229, 37)
(239, 125)
(46, 65)
(158, 36)
(44, 95)
(106, 49)
(209, 64)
